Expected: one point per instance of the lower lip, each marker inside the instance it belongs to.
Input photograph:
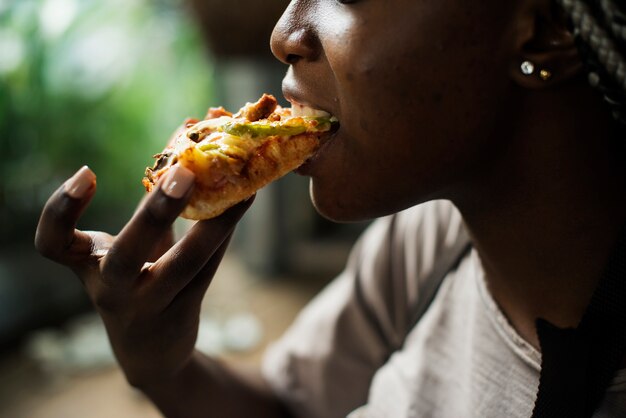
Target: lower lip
(306, 169)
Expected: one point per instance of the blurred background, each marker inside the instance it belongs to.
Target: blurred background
(103, 83)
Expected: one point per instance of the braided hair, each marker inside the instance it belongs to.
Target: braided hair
(599, 28)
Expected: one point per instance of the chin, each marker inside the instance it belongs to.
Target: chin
(341, 215)
(346, 204)
(332, 207)
(345, 208)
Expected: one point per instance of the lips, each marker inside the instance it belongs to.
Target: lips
(302, 110)
(300, 106)
(299, 109)
(306, 97)
(307, 111)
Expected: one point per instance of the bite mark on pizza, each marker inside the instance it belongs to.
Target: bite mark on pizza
(234, 155)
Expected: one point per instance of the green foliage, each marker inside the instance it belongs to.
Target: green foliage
(96, 82)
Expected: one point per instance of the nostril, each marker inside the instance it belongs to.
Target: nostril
(292, 58)
(294, 41)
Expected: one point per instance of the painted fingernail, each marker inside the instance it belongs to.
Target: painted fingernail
(177, 182)
(80, 183)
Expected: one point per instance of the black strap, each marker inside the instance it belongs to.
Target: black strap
(578, 364)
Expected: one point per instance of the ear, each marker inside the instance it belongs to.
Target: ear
(543, 40)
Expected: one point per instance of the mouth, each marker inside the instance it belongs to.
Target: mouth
(298, 108)
(308, 111)
(305, 111)
(302, 107)
(326, 140)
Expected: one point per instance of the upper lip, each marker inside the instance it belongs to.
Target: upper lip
(296, 95)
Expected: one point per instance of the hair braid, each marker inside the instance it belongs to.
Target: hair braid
(599, 49)
(615, 19)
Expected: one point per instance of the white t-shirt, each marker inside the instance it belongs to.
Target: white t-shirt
(349, 352)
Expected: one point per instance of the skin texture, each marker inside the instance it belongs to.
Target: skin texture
(432, 105)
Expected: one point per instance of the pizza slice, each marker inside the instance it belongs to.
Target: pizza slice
(233, 156)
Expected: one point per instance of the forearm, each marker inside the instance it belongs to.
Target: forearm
(207, 388)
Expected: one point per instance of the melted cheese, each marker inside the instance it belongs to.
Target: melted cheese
(238, 138)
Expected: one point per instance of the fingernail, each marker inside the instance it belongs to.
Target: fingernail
(80, 183)
(177, 182)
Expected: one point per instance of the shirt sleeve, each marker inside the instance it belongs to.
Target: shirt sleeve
(323, 365)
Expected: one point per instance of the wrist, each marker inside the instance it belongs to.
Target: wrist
(157, 378)
(187, 392)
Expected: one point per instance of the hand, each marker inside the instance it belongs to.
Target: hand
(150, 310)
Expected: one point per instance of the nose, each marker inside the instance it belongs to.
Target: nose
(293, 40)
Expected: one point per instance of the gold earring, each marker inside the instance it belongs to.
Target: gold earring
(545, 75)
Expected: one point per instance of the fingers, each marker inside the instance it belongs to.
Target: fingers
(150, 223)
(194, 292)
(56, 236)
(199, 248)
(164, 244)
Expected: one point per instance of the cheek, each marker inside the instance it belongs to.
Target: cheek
(414, 119)
(426, 91)
(391, 157)
(443, 75)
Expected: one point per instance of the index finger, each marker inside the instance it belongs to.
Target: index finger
(57, 237)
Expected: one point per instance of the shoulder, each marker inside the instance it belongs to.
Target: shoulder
(408, 244)
(396, 256)
(352, 327)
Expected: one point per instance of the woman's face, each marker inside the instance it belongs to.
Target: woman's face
(419, 88)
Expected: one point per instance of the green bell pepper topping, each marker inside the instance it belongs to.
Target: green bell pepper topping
(255, 130)
(208, 147)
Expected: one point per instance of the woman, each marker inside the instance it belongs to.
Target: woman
(486, 105)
